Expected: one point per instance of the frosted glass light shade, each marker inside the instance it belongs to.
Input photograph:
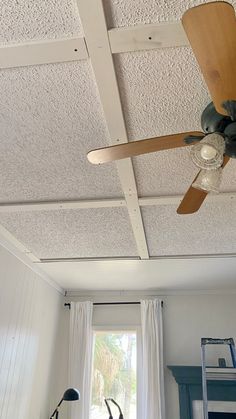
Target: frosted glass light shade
(209, 180)
(208, 153)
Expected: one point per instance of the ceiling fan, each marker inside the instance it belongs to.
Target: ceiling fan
(211, 30)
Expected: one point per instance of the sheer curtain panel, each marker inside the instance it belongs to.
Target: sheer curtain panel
(152, 377)
(80, 357)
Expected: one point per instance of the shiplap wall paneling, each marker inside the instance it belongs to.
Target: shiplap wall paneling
(29, 314)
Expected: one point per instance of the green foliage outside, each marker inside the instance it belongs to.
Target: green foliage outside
(113, 375)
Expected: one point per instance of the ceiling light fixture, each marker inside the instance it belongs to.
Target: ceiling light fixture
(209, 180)
(208, 153)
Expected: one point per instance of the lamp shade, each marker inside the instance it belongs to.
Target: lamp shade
(209, 180)
(71, 394)
(208, 153)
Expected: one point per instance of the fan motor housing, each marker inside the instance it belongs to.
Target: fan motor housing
(212, 121)
(230, 140)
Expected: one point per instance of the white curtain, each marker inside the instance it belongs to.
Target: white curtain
(152, 376)
(80, 357)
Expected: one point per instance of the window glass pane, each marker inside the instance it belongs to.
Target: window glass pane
(114, 373)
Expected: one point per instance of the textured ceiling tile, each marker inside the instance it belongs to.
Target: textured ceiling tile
(23, 20)
(162, 91)
(132, 12)
(50, 117)
(73, 233)
(212, 230)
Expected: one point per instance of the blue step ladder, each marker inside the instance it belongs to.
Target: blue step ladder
(216, 373)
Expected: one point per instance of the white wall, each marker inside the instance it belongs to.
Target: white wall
(186, 319)
(29, 315)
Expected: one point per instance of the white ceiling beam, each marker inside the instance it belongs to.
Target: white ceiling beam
(133, 38)
(176, 199)
(160, 200)
(43, 52)
(87, 259)
(130, 259)
(96, 35)
(104, 203)
(147, 37)
(61, 205)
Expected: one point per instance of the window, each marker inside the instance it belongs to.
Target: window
(114, 373)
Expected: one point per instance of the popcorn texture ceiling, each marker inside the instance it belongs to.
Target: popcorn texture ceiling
(70, 234)
(24, 20)
(133, 12)
(162, 92)
(200, 233)
(52, 115)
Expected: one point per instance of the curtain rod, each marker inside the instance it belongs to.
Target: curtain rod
(113, 303)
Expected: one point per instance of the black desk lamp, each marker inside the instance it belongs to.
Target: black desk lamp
(69, 395)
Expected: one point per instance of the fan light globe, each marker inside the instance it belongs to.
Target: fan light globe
(209, 180)
(208, 153)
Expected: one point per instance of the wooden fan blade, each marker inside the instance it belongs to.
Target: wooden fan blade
(135, 148)
(193, 199)
(211, 30)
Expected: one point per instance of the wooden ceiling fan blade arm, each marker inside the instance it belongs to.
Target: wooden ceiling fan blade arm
(192, 201)
(136, 148)
(211, 30)
(194, 198)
